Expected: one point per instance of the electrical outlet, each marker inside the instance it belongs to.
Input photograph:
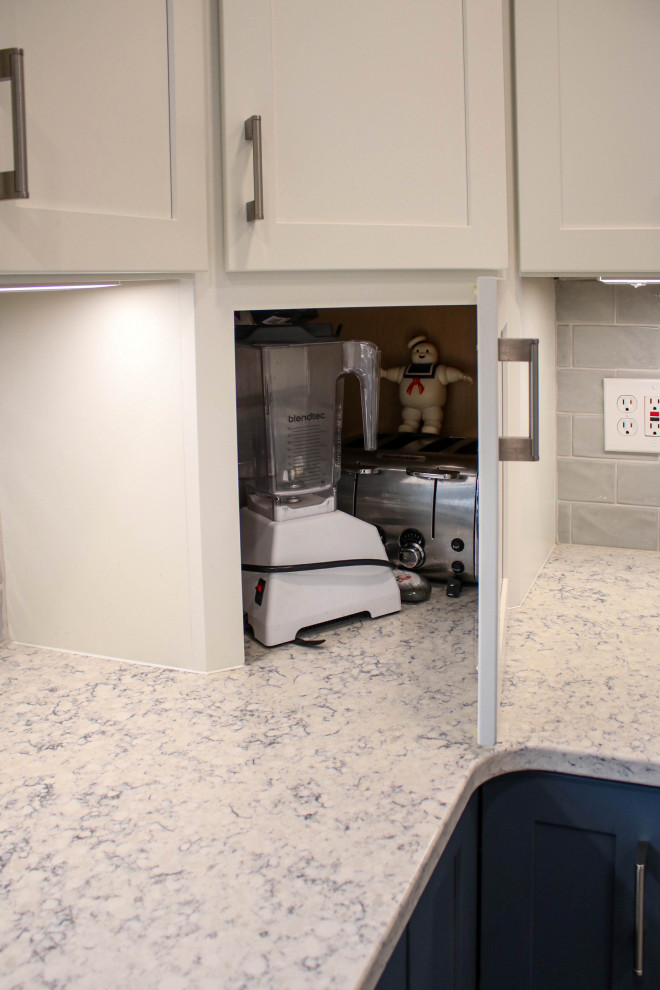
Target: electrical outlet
(631, 409)
(626, 403)
(627, 427)
(652, 415)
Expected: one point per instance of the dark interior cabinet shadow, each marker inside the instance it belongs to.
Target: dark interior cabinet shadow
(558, 883)
(438, 950)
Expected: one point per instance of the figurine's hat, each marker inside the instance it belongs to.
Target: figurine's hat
(417, 340)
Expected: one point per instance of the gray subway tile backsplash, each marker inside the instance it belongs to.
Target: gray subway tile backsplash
(581, 391)
(564, 346)
(583, 480)
(588, 437)
(564, 436)
(640, 305)
(564, 522)
(638, 484)
(616, 347)
(584, 301)
(614, 526)
(606, 498)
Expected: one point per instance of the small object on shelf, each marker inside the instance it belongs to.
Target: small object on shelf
(423, 387)
(413, 587)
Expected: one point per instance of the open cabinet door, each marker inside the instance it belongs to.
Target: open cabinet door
(490, 500)
(516, 499)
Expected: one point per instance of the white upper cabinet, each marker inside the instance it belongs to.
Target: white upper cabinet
(382, 130)
(114, 119)
(588, 99)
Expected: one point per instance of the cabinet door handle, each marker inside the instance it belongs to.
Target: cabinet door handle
(14, 184)
(640, 870)
(255, 208)
(527, 351)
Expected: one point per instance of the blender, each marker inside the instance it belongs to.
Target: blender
(304, 561)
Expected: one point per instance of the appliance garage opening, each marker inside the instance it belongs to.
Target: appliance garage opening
(357, 440)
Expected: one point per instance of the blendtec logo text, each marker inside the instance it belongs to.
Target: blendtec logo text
(303, 419)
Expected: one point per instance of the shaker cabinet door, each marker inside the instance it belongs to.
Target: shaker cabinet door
(442, 934)
(558, 884)
(587, 85)
(438, 950)
(380, 139)
(113, 115)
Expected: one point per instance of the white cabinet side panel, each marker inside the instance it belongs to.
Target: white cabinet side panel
(530, 486)
(92, 472)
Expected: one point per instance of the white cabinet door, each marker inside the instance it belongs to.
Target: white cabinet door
(114, 101)
(588, 82)
(489, 560)
(382, 134)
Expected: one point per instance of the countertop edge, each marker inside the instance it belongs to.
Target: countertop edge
(495, 762)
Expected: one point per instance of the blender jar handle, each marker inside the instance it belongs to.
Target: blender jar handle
(362, 358)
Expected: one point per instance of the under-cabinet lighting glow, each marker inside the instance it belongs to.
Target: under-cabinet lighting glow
(635, 282)
(57, 288)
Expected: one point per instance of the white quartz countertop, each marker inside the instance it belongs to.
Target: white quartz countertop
(273, 825)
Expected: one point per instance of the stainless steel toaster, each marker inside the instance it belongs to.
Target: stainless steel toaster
(421, 492)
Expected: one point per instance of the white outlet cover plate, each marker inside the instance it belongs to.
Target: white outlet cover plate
(617, 439)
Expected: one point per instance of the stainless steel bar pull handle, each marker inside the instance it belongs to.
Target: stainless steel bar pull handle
(640, 870)
(524, 350)
(14, 183)
(255, 208)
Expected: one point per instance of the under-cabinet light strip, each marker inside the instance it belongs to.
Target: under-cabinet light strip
(57, 288)
(629, 281)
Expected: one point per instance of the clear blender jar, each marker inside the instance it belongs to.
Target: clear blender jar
(290, 399)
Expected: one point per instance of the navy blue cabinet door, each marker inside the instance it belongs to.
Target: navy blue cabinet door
(438, 950)
(395, 974)
(442, 934)
(558, 882)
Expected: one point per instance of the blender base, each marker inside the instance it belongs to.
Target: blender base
(279, 604)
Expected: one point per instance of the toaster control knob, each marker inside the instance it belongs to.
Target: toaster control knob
(458, 567)
(412, 556)
(411, 549)
(457, 545)
(411, 536)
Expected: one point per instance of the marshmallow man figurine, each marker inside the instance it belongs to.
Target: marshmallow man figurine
(423, 387)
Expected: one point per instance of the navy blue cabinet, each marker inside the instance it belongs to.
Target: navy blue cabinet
(539, 889)
(559, 883)
(438, 950)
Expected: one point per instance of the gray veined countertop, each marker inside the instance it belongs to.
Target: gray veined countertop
(272, 826)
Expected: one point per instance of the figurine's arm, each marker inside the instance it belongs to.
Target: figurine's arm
(449, 375)
(393, 374)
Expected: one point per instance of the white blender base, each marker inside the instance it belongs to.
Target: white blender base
(292, 600)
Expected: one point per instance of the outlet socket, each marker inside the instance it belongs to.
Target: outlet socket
(627, 427)
(631, 409)
(652, 415)
(626, 403)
